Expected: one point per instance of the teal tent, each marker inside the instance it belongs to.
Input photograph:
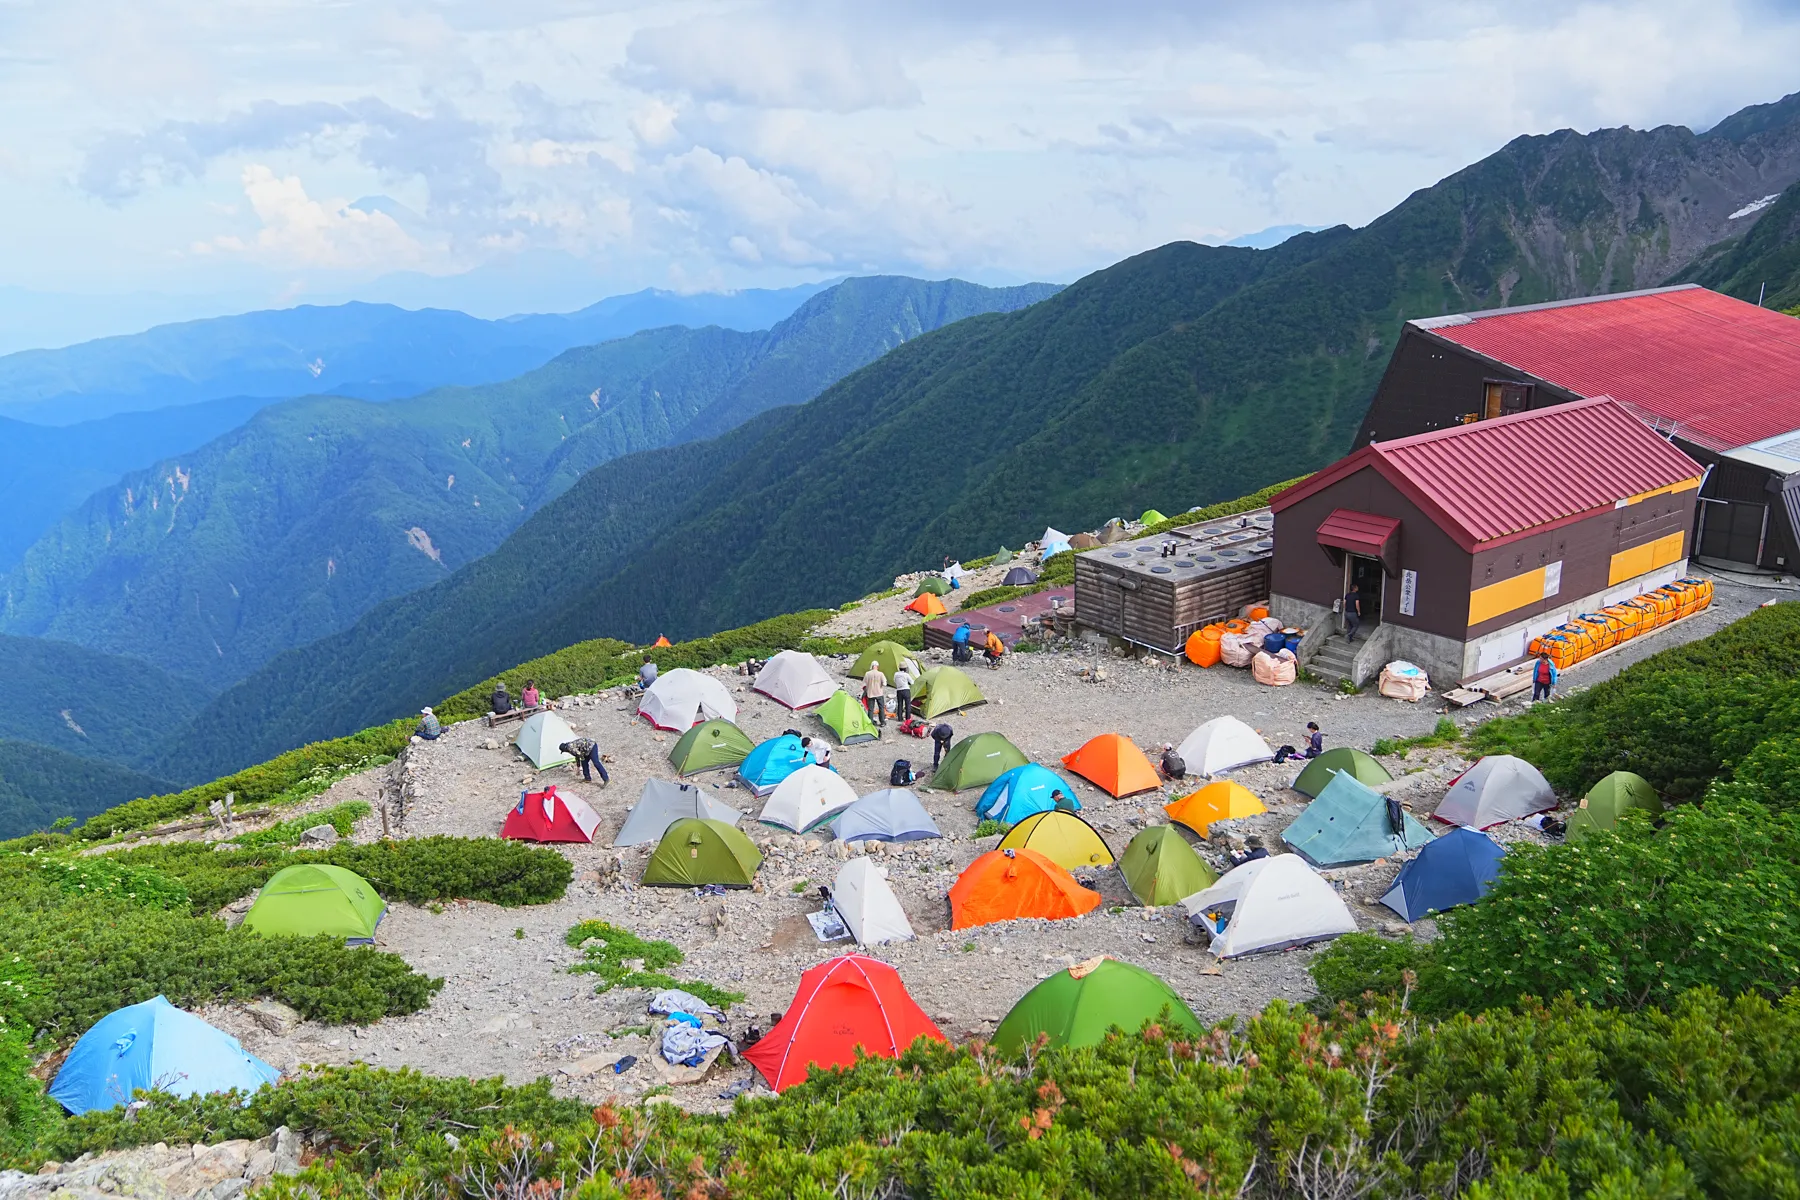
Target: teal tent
(1352, 823)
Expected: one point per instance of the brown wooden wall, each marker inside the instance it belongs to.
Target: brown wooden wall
(1303, 569)
(1162, 612)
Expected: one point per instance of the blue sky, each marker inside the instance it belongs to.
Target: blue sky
(233, 155)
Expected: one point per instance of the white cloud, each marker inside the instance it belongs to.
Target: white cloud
(298, 231)
(771, 64)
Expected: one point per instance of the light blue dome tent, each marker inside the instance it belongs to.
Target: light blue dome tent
(153, 1046)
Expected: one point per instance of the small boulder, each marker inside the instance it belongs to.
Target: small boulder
(273, 1016)
(319, 835)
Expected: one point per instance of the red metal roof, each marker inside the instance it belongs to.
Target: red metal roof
(1495, 479)
(1358, 532)
(1718, 371)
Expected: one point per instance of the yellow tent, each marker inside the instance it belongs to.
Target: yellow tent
(1217, 801)
(1062, 837)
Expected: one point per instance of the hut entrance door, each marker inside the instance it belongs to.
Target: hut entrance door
(1368, 576)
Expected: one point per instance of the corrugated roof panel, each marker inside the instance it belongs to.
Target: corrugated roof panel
(1718, 371)
(1501, 477)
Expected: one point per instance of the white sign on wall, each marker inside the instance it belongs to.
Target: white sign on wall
(1409, 593)
(1553, 579)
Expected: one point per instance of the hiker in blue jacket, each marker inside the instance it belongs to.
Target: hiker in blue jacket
(1543, 676)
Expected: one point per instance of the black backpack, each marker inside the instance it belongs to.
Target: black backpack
(902, 774)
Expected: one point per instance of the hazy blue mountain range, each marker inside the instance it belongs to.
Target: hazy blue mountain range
(92, 704)
(371, 351)
(292, 526)
(1180, 376)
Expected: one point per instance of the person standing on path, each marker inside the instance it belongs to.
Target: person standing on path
(587, 753)
(875, 694)
(940, 742)
(1352, 612)
(903, 681)
(1543, 676)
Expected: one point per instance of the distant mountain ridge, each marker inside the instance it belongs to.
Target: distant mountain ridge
(1180, 376)
(289, 528)
(369, 351)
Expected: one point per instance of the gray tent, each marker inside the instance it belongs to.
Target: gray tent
(1498, 788)
(664, 803)
(889, 815)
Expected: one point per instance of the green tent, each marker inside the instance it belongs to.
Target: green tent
(1002, 556)
(1352, 823)
(1319, 771)
(848, 719)
(1078, 1005)
(944, 689)
(976, 761)
(1160, 867)
(1608, 800)
(710, 745)
(886, 655)
(695, 851)
(1152, 517)
(937, 585)
(316, 898)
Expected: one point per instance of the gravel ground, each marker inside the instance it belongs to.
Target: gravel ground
(510, 1007)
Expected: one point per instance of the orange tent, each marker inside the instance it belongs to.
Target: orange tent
(1220, 800)
(927, 605)
(1003, 885)
(661, 641)
(844, 1003)
(1111, 763)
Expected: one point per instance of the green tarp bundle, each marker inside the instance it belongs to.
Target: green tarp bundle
(1317, 773)
(316, 898)
(696, 852)
(1160, 867)
(1077, 1006)
(709, 746)
(944, 689)
(1608, 800)
(848, 719)
(1351, 823)
(976, 761)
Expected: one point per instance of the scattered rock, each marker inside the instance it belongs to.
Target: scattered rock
(273, 1016)
(319, 835)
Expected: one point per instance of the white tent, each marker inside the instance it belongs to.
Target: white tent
(683, 698)
(539, 737)
(664, 803)
(955, 572)
(796, 679)
(870, 910)
(1498, 788)
(1052, 535)
(1222, 744)
(1270, 904)
(889, 815)
(808, 797)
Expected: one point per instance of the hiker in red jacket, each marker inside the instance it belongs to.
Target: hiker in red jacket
(1543, 676)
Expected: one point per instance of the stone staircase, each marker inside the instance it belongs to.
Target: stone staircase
(1335, 658)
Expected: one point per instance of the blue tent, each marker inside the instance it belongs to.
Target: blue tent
(889, 815)
(1020, 577)
(153, 1046)
(771, 762)
(1350, 822)
(1022, 791)
(1455, 869)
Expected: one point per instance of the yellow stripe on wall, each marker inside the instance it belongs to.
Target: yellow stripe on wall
(1686, 485)
(1486, 603)
(1640, 560)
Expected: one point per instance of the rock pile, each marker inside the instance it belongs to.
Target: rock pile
(220, 1172)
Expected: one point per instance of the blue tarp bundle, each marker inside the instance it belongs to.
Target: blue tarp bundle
(153, 1046)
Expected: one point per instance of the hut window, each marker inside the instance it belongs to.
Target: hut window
(1501, 398)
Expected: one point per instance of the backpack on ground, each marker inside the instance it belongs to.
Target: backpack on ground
(902, 774)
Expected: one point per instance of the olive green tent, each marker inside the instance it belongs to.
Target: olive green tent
(944, 689)
(1319, 771)
(1608, 800)
(1077, 1006)
(1160, 867)
(848, 719)
(976, 761)
(709, 746)
(886, 655)
(1002, 556)
(696, 851)
(316, 898)
(937, 585)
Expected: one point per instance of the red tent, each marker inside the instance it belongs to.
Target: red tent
(547, 817)
(849, 1001)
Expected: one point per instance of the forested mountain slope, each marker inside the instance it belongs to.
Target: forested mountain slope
(95, 705)
(1763, 264)
(40, 785)
(1184, 375)
(292, 526)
